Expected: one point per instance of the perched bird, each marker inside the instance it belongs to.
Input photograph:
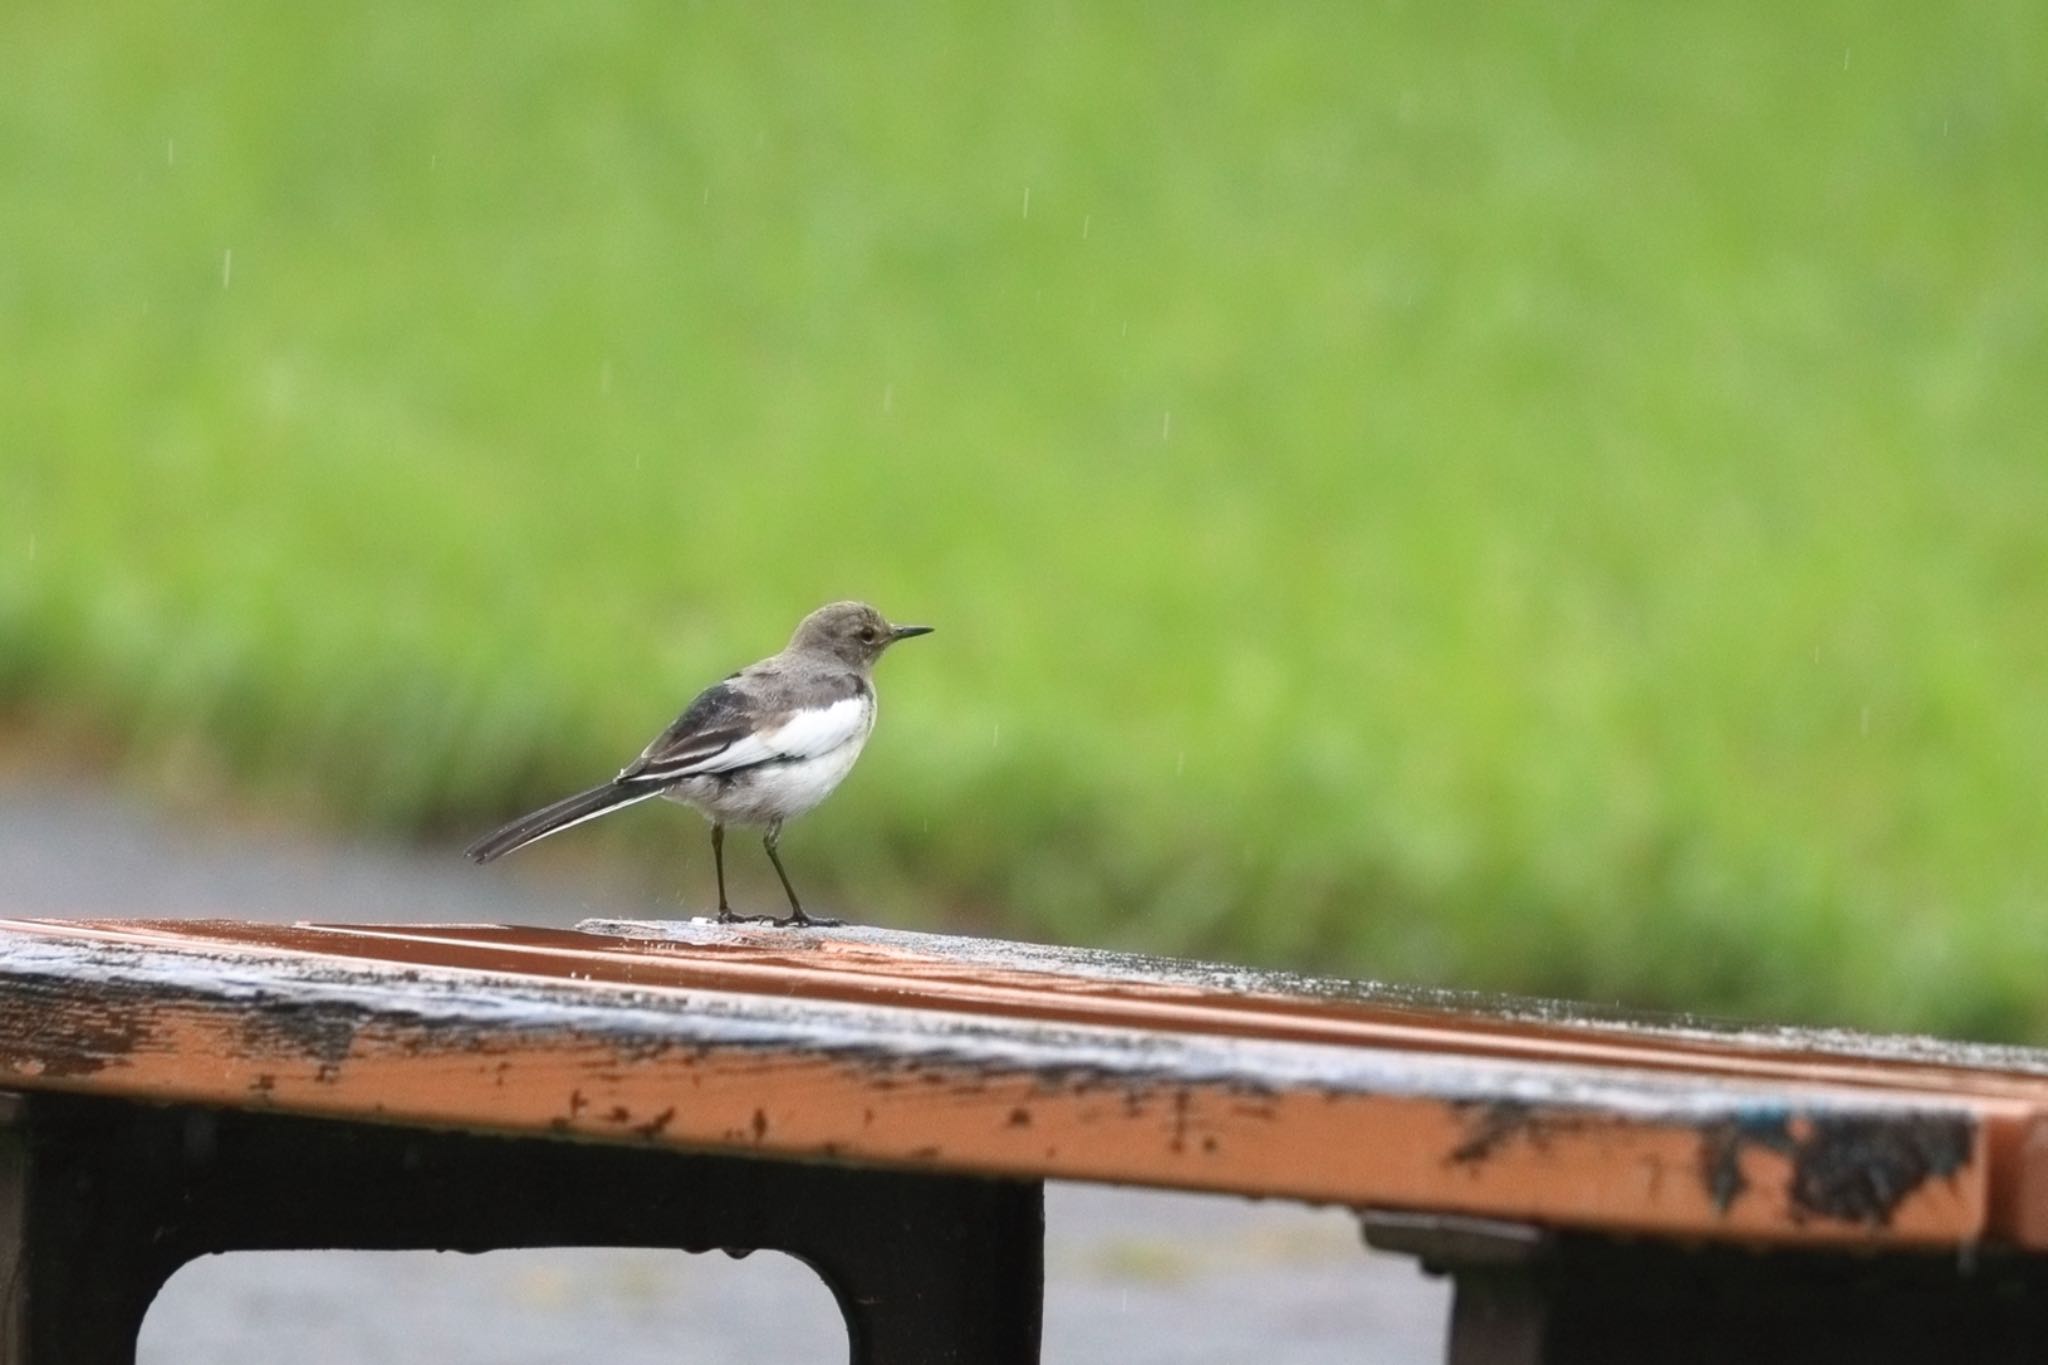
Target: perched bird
(758, 749)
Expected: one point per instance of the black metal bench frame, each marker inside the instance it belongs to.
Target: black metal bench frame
(101, 1202)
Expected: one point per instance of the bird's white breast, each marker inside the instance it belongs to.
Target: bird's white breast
(785, 789)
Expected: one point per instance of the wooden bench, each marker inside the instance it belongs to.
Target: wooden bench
(886, 1106)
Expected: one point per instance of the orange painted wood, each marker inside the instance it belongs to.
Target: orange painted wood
(956, 1055)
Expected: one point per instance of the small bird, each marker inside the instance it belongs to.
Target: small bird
(758, 749)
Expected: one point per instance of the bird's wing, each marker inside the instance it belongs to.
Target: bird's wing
(718, 718)
(724, 730)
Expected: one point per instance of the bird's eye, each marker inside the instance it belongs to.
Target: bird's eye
(870, 634)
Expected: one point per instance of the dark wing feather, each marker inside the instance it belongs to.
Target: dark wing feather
(719, 718)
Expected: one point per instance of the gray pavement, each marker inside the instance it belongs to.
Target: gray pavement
(1133, 1277)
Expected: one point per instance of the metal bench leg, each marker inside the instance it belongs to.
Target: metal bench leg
(952, 1274)
(1497, 1319)
(77, 1272)
(1526, 1297)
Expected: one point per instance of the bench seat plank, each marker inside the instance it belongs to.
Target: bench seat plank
(741, 1040)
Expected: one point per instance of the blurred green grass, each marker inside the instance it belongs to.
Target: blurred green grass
(1550, 499)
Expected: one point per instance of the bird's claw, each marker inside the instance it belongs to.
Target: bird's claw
(800, 920)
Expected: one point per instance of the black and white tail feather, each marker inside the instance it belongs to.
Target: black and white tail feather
(560, 815)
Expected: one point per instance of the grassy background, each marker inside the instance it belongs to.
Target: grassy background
(1552, 499)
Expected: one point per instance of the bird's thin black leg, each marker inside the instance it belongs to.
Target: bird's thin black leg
(796, 912)
(726, 914)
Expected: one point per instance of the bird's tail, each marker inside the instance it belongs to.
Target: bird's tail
(570, 810)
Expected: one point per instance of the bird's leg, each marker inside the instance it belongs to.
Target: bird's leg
(797, 916)
(726, 914)
(718, 861)
(769, 841)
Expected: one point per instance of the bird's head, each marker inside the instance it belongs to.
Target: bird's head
(852, 632)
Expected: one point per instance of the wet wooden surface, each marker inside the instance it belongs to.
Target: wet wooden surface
(963, 1055)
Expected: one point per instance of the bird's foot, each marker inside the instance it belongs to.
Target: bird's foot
(728, 915)
(797, 919)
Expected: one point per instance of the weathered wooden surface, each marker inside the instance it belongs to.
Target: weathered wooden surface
(907, 1050)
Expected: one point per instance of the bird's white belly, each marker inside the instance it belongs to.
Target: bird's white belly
(771, 792)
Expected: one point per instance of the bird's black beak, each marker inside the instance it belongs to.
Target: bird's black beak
(905, 632)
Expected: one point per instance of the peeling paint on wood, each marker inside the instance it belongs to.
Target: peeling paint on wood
(834, 1046)
(1853, 1169)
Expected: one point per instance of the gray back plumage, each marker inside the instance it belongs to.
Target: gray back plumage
(759, 697)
